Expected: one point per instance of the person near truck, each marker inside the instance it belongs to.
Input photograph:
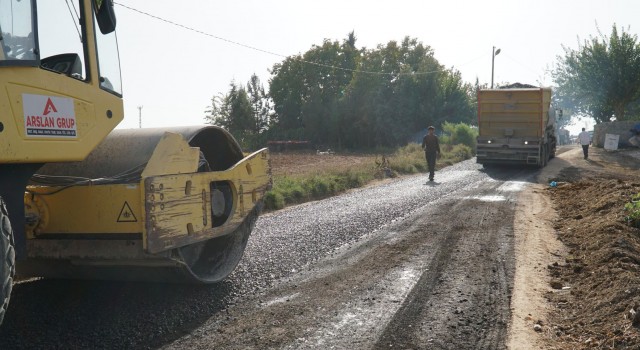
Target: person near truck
(431, 148)
(585, 140)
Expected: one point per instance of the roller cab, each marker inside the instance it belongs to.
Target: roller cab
(60, 76)
(80, 201)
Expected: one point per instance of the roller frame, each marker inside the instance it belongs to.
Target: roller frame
(83, 233)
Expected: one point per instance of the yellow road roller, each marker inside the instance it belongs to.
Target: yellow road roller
(82, 200)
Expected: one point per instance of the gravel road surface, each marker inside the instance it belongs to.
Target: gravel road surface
(403, 264)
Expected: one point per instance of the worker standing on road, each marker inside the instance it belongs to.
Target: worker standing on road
(431, 148)
(585, 140)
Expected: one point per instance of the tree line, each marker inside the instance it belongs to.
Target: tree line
(344, 97)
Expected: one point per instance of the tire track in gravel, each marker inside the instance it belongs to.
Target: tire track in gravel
(285, 245)
(462, 301)
(107, 315)
(400, 286)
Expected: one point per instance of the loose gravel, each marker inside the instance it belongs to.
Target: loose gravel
(84, 314)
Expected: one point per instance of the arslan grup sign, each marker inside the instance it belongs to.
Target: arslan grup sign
(49, 116)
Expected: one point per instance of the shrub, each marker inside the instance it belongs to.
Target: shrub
(354, 178)
(408, 159)
(291, 189)
(633, 211)
(273, 201)
(460, 134)
(318, 186)
(460, 152)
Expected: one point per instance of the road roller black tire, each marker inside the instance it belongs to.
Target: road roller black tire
(213, 260)
(7, 259)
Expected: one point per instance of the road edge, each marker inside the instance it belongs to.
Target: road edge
(536, 247)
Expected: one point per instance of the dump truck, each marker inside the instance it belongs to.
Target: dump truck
(82, 200)
(516, 125)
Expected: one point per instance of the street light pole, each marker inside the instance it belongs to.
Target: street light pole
(494, 53)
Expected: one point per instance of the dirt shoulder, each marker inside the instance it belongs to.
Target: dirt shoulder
(578, 263)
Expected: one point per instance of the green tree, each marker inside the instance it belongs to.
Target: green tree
(216, 113)
(260, 104)
(233, 112)
(287, 90)
(344, 97)
(456, 99)
(306, 89)
(413, 90)
(600, 79)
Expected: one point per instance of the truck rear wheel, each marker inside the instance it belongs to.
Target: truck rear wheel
(544, 155)
(552, 153)
(7, 260)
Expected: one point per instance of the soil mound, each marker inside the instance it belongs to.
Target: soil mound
(596, 291)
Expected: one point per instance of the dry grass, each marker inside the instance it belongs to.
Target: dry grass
(296, 164)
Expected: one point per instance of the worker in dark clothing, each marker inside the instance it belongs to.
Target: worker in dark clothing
(431, 148)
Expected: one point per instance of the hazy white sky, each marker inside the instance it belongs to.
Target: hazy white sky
(173, 72)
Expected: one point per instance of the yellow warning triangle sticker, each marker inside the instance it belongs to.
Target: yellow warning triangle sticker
(126, 214)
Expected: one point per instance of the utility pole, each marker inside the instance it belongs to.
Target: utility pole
(140, 117)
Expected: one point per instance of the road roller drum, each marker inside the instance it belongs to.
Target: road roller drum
(169, 205)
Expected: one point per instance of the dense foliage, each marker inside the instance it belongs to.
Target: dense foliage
(600, 78)
(459, 134)
(336, 95)
(245, 112)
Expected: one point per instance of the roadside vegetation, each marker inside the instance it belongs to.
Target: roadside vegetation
(632, 210)
(341, 96)
(346, 98)
(457, 144)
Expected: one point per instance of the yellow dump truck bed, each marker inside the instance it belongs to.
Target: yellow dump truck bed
(513, 112)
(514, 126)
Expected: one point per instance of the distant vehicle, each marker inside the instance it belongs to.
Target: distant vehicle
(516, 125)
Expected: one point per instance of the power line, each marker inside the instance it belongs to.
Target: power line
(541, 77)
(266, 51)
(197, 31)
(475, 59)
(521, 64)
